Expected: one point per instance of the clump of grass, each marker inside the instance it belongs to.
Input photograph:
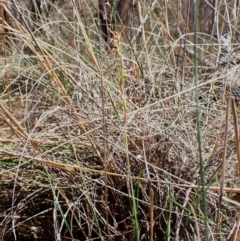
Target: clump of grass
(104, 146)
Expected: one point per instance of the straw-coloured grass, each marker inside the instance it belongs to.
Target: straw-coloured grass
(100, 142)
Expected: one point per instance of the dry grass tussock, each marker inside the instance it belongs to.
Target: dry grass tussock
(101, 144)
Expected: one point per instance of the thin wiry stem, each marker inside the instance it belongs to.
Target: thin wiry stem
(202, 173)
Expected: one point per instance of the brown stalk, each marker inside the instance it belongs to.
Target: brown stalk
(151, 208)
(222, 178)
(235, 123)
(2, 14)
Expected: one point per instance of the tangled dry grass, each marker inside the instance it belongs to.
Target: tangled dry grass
(103, 145)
